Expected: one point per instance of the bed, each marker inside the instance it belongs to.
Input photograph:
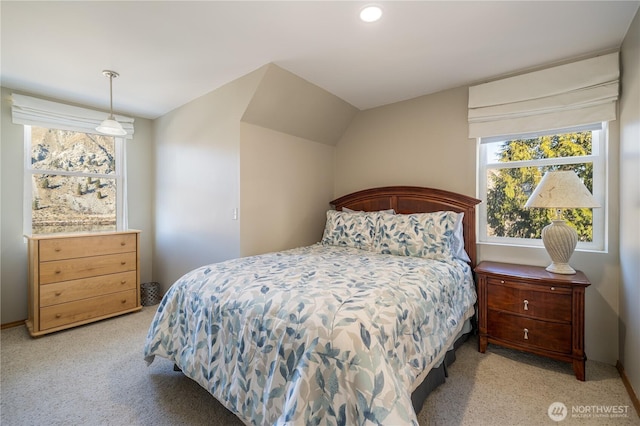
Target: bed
(355, 329)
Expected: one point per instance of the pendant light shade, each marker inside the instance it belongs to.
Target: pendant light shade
(110, 126)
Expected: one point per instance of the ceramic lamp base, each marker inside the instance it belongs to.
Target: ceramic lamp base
(560, 240)
(560, 268)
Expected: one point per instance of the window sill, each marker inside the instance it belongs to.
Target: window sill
(531, 245)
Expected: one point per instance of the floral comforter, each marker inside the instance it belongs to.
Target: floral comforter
(314, 335)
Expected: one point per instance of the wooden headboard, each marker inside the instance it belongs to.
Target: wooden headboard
(413, 199)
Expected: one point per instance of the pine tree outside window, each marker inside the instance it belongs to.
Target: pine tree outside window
(511, 167)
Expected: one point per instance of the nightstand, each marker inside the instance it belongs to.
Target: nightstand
(529, 309)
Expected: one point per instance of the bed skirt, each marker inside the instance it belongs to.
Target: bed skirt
(438, 375)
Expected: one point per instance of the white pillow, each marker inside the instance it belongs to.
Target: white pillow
(457, 243)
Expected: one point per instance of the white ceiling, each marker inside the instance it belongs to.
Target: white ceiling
(171, 52)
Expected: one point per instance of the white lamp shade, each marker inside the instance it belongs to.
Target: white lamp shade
(111, 127)
(561, 190)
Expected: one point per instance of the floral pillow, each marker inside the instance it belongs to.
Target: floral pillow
(350, 229)
(427, 235)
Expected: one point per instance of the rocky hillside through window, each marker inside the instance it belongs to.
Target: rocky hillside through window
(73, 181)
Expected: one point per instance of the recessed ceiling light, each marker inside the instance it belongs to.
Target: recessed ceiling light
(370, 13)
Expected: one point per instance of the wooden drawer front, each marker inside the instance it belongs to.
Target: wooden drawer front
(68, 291)
(72, 269)
(526, 331)
(68, 248)
(81, 310)
(548, 304)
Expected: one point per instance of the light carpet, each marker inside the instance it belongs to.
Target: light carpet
(96, 375)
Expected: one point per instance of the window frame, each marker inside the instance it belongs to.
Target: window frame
(119, 176)
(598, 158)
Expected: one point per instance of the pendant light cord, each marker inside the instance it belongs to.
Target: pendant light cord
(111, 75)
(111, 96)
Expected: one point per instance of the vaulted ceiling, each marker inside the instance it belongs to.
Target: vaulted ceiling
(171, 52)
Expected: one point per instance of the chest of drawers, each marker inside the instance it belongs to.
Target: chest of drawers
(80, 278)
(529, 309)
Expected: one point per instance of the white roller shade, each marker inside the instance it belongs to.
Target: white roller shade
(39, 112)
(568, 95)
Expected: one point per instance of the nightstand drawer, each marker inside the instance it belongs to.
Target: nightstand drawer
(542, 303)
(529, 332)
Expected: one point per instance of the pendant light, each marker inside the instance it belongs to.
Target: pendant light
(110, 126)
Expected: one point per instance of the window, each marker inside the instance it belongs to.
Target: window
(74, 181)
(510, 169)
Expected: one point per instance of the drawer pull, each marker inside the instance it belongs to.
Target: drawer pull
(58, 293)
(526, 334)
(123, 282)
(553, 288)
(58, 271)
(123, 301)
(57, 249)
(58, 315)
(123, 263)
(526, 305)
(122, 243)
(501, 281)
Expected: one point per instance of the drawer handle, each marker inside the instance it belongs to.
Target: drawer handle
(123, 263)
(123, 301)
(526, 334)
(122, 243)
(58, 293)
(57, 249)
(553, 288)
(58, 271)
(58, 315)
(123, 282)
(501, 281)
(526, 305)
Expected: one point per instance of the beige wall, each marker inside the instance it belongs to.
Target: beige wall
(140, 166)
(197, 178)
(630, 205)
(291, 105)
(250, 146)
(286, 183)
(424, 142)
(13, 283)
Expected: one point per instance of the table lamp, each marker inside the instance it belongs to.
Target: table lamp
(560, 190)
